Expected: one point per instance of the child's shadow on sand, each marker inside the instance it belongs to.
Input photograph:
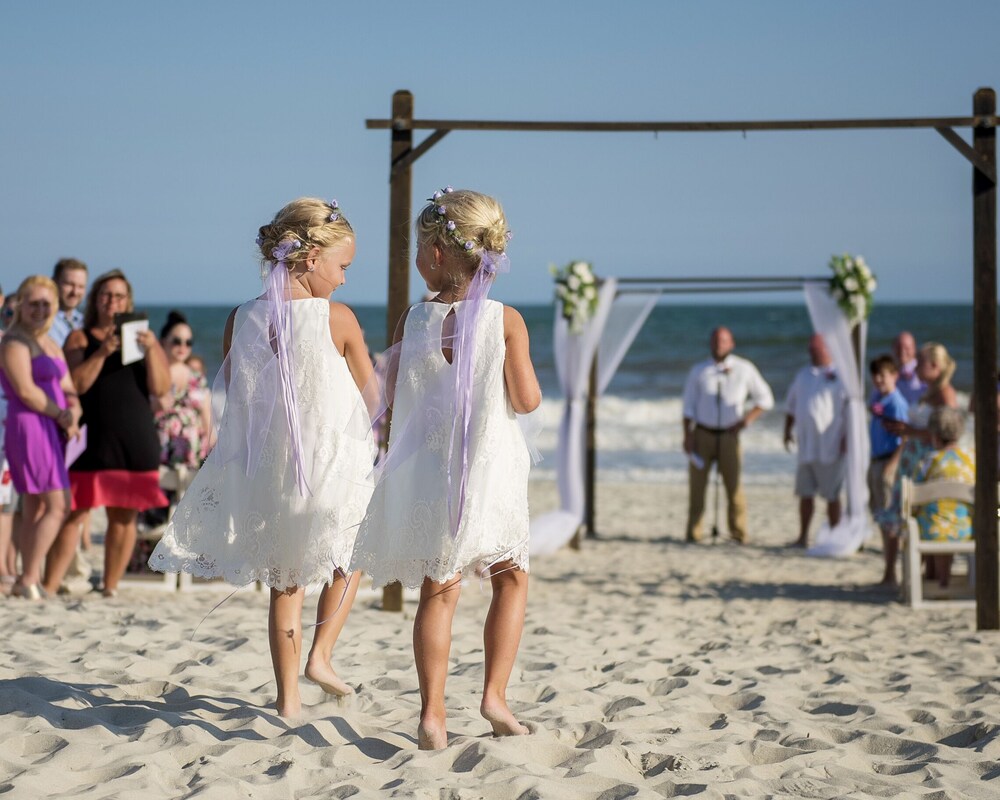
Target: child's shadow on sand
(39, 696)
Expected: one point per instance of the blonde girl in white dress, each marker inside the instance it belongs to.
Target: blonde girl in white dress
(280, 497)
(453, 496)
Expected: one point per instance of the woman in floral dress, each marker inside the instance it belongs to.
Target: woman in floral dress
(183, 414)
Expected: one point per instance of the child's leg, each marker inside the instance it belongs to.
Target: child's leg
(890, 548)
(284, 633)
(431, 646)
(501, 637)
(334, 605)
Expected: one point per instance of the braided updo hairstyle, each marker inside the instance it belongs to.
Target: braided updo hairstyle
(478, 219)
(307, 221)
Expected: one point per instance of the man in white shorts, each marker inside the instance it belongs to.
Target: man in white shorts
(816, 411)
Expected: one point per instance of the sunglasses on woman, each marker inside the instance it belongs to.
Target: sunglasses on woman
(176, 341)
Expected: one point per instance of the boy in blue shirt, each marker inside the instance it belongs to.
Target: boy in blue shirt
(887, 403)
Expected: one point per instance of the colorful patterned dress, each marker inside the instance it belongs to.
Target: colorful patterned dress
(182, 437)
(946, 520)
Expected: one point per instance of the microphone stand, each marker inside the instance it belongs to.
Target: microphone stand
(718, 456)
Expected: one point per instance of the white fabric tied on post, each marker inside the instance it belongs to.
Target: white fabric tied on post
(831, 323)
(610, 331)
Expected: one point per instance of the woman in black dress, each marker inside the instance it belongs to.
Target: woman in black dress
(120, 467)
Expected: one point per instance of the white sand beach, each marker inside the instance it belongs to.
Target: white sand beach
(648, 668)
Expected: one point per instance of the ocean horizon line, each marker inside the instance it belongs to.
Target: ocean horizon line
(787, 301)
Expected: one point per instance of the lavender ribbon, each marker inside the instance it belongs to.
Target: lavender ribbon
(464, 361)
(262, 349)
(280, 332)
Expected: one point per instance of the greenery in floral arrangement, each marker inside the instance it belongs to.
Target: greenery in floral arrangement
(852, 286)
(576, 293)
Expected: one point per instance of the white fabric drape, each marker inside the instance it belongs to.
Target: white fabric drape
(574, 354)
(628, 314)
(829, 321)
(608, 333)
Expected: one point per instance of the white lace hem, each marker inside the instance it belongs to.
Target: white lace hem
(412, 572)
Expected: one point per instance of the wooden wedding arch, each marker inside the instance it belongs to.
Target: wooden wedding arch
(981, 154)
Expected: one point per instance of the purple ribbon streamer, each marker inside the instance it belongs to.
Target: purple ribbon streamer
(464, 360)
(279, 319)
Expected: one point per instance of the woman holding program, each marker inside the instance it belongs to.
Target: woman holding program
(120, 467)
(453, 496)
(280, 496)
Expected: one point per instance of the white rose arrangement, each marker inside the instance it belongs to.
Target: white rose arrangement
(852, 286)
(576, 292)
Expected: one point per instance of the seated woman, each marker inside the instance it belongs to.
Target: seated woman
(183, 420)
(183, 413)
(945, 520)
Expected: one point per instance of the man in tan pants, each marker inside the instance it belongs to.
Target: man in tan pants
(716, 394)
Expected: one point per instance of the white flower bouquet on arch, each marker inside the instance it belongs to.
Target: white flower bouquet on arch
(576, 293)
(852, 286)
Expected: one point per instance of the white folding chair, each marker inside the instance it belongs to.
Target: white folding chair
(175, 479)
(913, 496)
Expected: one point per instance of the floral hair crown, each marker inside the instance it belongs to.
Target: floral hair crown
(286, 246)
(449, 224)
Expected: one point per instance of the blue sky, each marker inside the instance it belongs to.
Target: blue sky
(156, 137)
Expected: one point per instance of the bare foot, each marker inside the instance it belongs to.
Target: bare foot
(503, 721)
(799, 543)
(288, 709)
(432, 734)
(321, 673)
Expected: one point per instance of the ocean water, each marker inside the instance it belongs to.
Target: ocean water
(639, 417)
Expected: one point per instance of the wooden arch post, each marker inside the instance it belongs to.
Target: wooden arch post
(984, 317)
(400, 192)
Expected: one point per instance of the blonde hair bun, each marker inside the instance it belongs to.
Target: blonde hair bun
(302, 224)
(471, 223)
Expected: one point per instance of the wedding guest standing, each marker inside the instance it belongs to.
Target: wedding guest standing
(815, 413)
(42, 410)
(904, 348)
(120, 467)
(70, 276)
(717, 394)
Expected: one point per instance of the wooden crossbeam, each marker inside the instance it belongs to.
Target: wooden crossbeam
(401, 123)
(967, 150)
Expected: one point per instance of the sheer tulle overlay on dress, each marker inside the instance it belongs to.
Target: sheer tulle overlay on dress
(245, 517)
(418, 523)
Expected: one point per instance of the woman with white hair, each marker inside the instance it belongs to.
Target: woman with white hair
(945, 520)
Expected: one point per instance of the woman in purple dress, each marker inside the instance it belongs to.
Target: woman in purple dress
(42, 411)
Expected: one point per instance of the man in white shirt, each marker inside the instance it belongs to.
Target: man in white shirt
(716, 395)
(904, 348)
(815, 415)
(70, 276)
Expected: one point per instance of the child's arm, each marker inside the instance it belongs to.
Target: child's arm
(518, 371)
(349, 339)
(392, 367)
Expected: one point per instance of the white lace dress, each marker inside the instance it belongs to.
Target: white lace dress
(406, 534)
(254, 527)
